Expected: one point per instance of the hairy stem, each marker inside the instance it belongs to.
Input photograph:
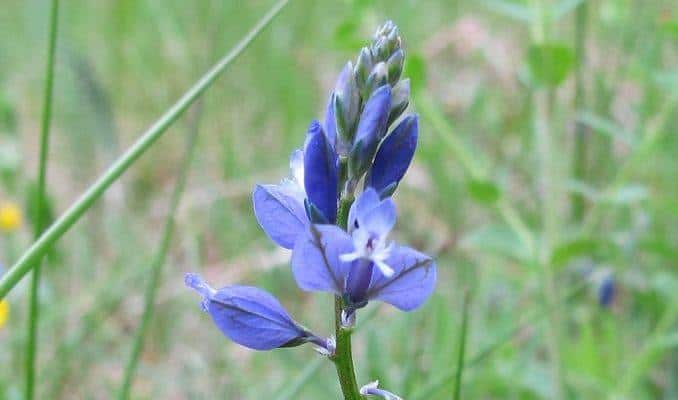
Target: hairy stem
(343, 359)
(39, 221)
(27, 261)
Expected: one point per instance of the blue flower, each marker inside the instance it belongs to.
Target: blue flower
(394, 157)
(321, 175)
(360, 265)
(607, 291)
(371, 129)
(252, 317)
(279, 209)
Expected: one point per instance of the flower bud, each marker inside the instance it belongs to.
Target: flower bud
(363, 67)
(400, 99)
(377, 78)
(252, 317)
(395, 66)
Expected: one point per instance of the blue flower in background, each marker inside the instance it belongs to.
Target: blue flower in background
(252, 317)
(361, 267)
(607, 290)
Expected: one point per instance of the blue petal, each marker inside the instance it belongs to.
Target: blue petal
(394, 155)
(380, 219)
(249, 316)
(315, 259)
(369, 211)
(372, 126)
(320, 172)
(362, 205)
(279, 213)
(411, 284)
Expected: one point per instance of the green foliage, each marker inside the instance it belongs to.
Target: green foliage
(473, 196)
(549, 63)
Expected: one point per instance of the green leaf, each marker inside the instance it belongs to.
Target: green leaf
(483, 192)
(627, 195)
(496, 239)
(415, 68)
(572, 249)
(549, 63)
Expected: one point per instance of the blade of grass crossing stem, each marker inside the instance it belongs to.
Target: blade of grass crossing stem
(161, 256)
(432, 387)
(40, 195)
(111, 175)
(462, 345)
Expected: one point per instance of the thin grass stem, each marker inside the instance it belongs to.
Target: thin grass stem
(536, 316)
(73, 214)
(39, 220)
(160, 257)
(461, 352)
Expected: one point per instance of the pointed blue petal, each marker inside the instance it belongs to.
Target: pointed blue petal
(411, 284)
(372, 127)
(394, 155)
(315, 259)
(249, 316)
(279, 213)
(320, 172)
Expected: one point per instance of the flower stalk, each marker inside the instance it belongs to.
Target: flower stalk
(343, 358)
(40, 204)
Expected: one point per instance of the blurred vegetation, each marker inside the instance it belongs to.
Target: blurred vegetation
(603, 74)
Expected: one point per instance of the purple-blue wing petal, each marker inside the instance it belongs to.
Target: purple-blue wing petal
(394, 155)
(280, 214)
(362, 205)
(315, 259)
(411, 284)
(253, 318)
(320, 172)
(380, 219)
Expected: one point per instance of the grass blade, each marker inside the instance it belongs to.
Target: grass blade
(40, 196)
(462, 346)
(160, 257)
(27, 261)
(431, 388)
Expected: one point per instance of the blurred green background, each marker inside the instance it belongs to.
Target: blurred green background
(547, 161)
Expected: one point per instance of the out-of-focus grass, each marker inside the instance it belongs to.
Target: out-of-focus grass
(120, 64)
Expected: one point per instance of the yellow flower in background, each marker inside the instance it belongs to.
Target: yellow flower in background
(10, 216)
(4, 312)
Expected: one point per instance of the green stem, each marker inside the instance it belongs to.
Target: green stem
(343, 358)
(39, 203)
(580, 159)
(543, 99)
(27, 261)
(159, 259)
(462, 346)
(429, 390)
